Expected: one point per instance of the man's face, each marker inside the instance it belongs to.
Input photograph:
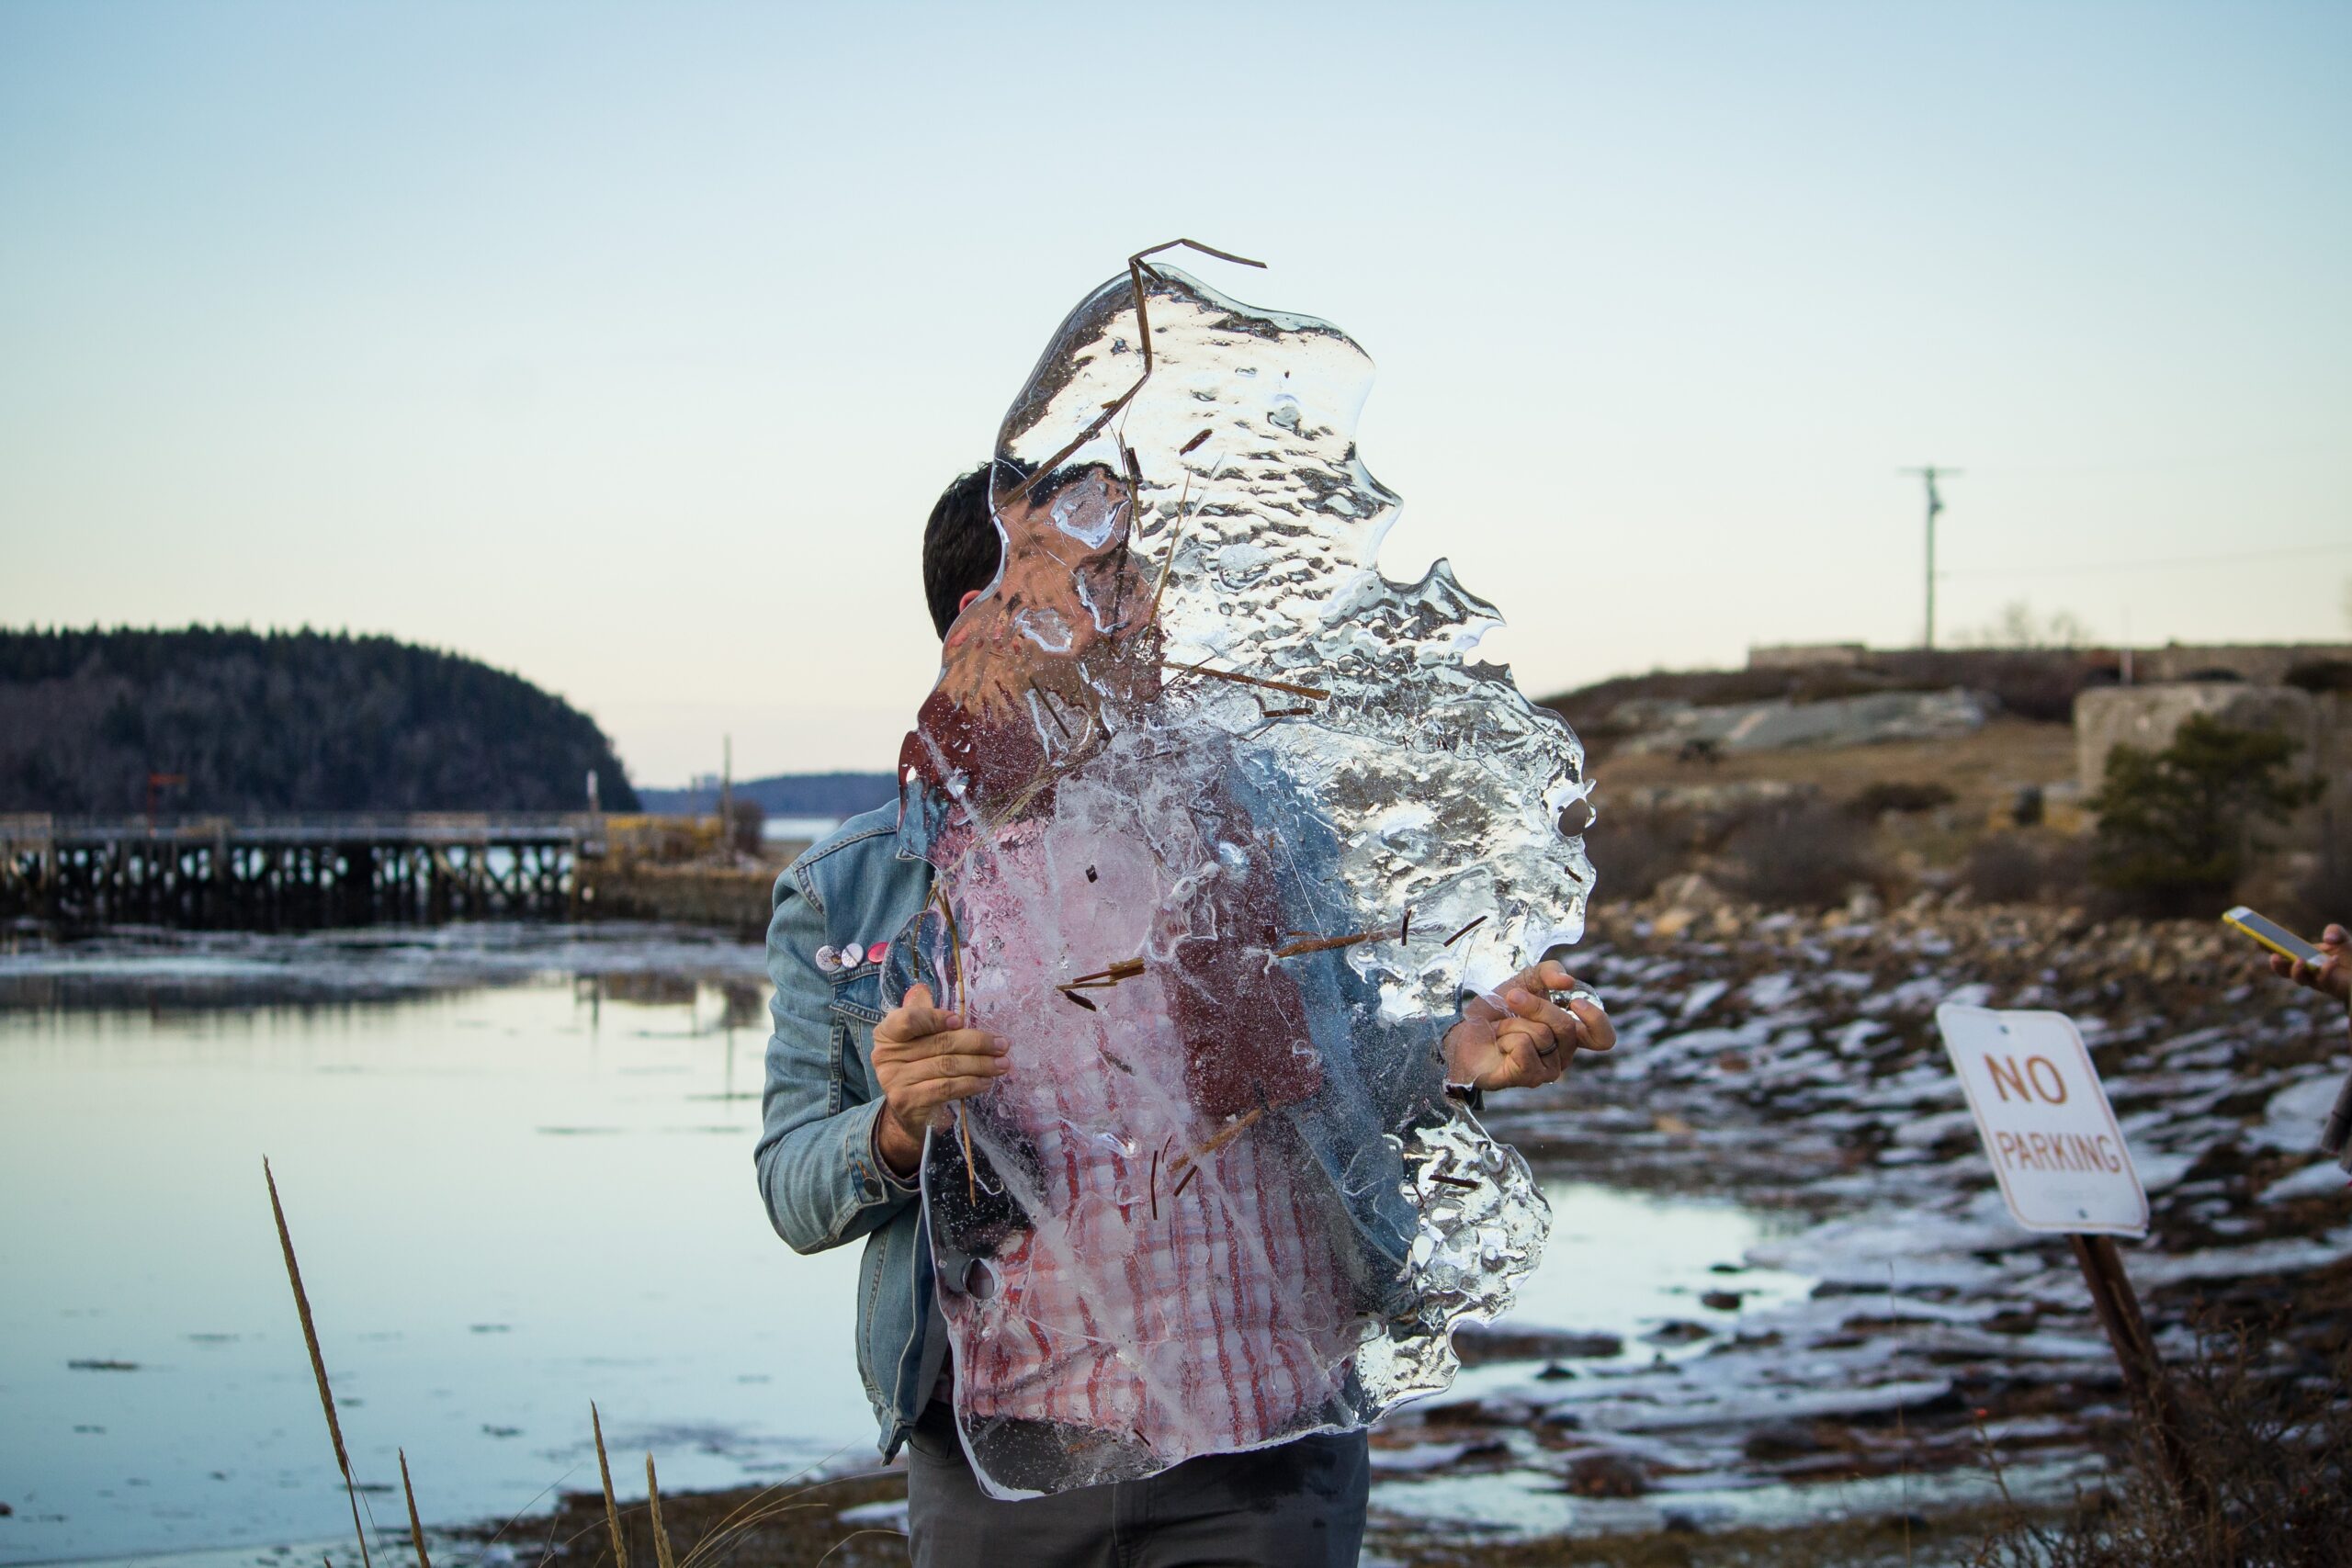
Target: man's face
(1068, 588)
(1033, 660)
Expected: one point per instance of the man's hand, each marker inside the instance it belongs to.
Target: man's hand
(2332, 976)
(1527, 1040)
(925, 1060)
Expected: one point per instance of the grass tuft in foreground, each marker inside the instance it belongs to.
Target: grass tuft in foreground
(788, 1524)
(2269, 1431)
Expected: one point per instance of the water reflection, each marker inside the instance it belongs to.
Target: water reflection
(517, 1163)
(1635, 1263)
(508, 1201)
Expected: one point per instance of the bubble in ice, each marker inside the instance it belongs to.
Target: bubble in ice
(1225, 826)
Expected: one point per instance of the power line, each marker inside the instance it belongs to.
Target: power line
(2334, 547)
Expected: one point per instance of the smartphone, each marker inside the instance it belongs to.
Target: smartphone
(2273, 935)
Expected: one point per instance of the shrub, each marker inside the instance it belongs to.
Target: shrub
(2270, 1438)
(1909, 796)
(2321, 675)
(1632, 854)
(2003, 869)
(1803, 856)
(2178, 826)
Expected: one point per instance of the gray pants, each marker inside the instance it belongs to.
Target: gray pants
(1297, 1506)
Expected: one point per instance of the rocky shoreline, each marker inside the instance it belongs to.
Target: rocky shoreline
(1789, 1062)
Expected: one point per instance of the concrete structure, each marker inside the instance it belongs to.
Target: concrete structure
(1807, 655)
(2148, 717)
(2259, 664)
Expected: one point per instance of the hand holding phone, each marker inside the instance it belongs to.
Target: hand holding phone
(2325, 967)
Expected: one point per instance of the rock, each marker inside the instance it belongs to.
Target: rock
(1778, 1441)
(891, 1515)
(1679, 1331)
(1607, 1476)
(1479, 1344)
(1722, 1300)
(1690, 891)
(1779, 725)
(1638, 714)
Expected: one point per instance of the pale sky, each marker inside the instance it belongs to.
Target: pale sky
(627, 347)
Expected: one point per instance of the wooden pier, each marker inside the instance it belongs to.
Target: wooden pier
(294, 873)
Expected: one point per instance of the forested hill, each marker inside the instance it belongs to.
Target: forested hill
(283, 721)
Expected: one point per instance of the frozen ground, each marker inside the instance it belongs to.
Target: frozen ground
(1781, 1289)
(1792, 1063)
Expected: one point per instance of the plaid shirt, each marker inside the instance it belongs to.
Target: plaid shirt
(1184, 1294)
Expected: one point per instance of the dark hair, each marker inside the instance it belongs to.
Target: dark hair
(959, 547)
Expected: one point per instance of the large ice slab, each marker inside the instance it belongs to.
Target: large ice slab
(1226, 825)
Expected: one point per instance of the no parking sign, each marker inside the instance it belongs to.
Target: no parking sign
(2045, 1120)
(2063, 1166)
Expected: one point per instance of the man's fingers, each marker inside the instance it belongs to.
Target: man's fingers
(923, 1028)
(1529, 1057)
(1545, 1055)
(935, 1054)
(1600, 1034)
(1549, 975)
(2335, 936)
(905, 1026)
(959, 1065)
(937, 1092)
(1478, 1010)
(1534, 1008)
(1552, 975)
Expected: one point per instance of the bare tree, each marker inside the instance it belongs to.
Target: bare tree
(2020, 626)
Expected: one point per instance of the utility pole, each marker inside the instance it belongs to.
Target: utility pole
(727, 796)
(1935, 504)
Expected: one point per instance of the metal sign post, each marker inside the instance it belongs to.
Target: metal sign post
(2063, 1167)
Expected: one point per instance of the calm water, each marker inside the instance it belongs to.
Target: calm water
(517, 1168)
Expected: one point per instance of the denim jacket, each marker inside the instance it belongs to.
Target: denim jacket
(816, 1166)
(860, 887)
